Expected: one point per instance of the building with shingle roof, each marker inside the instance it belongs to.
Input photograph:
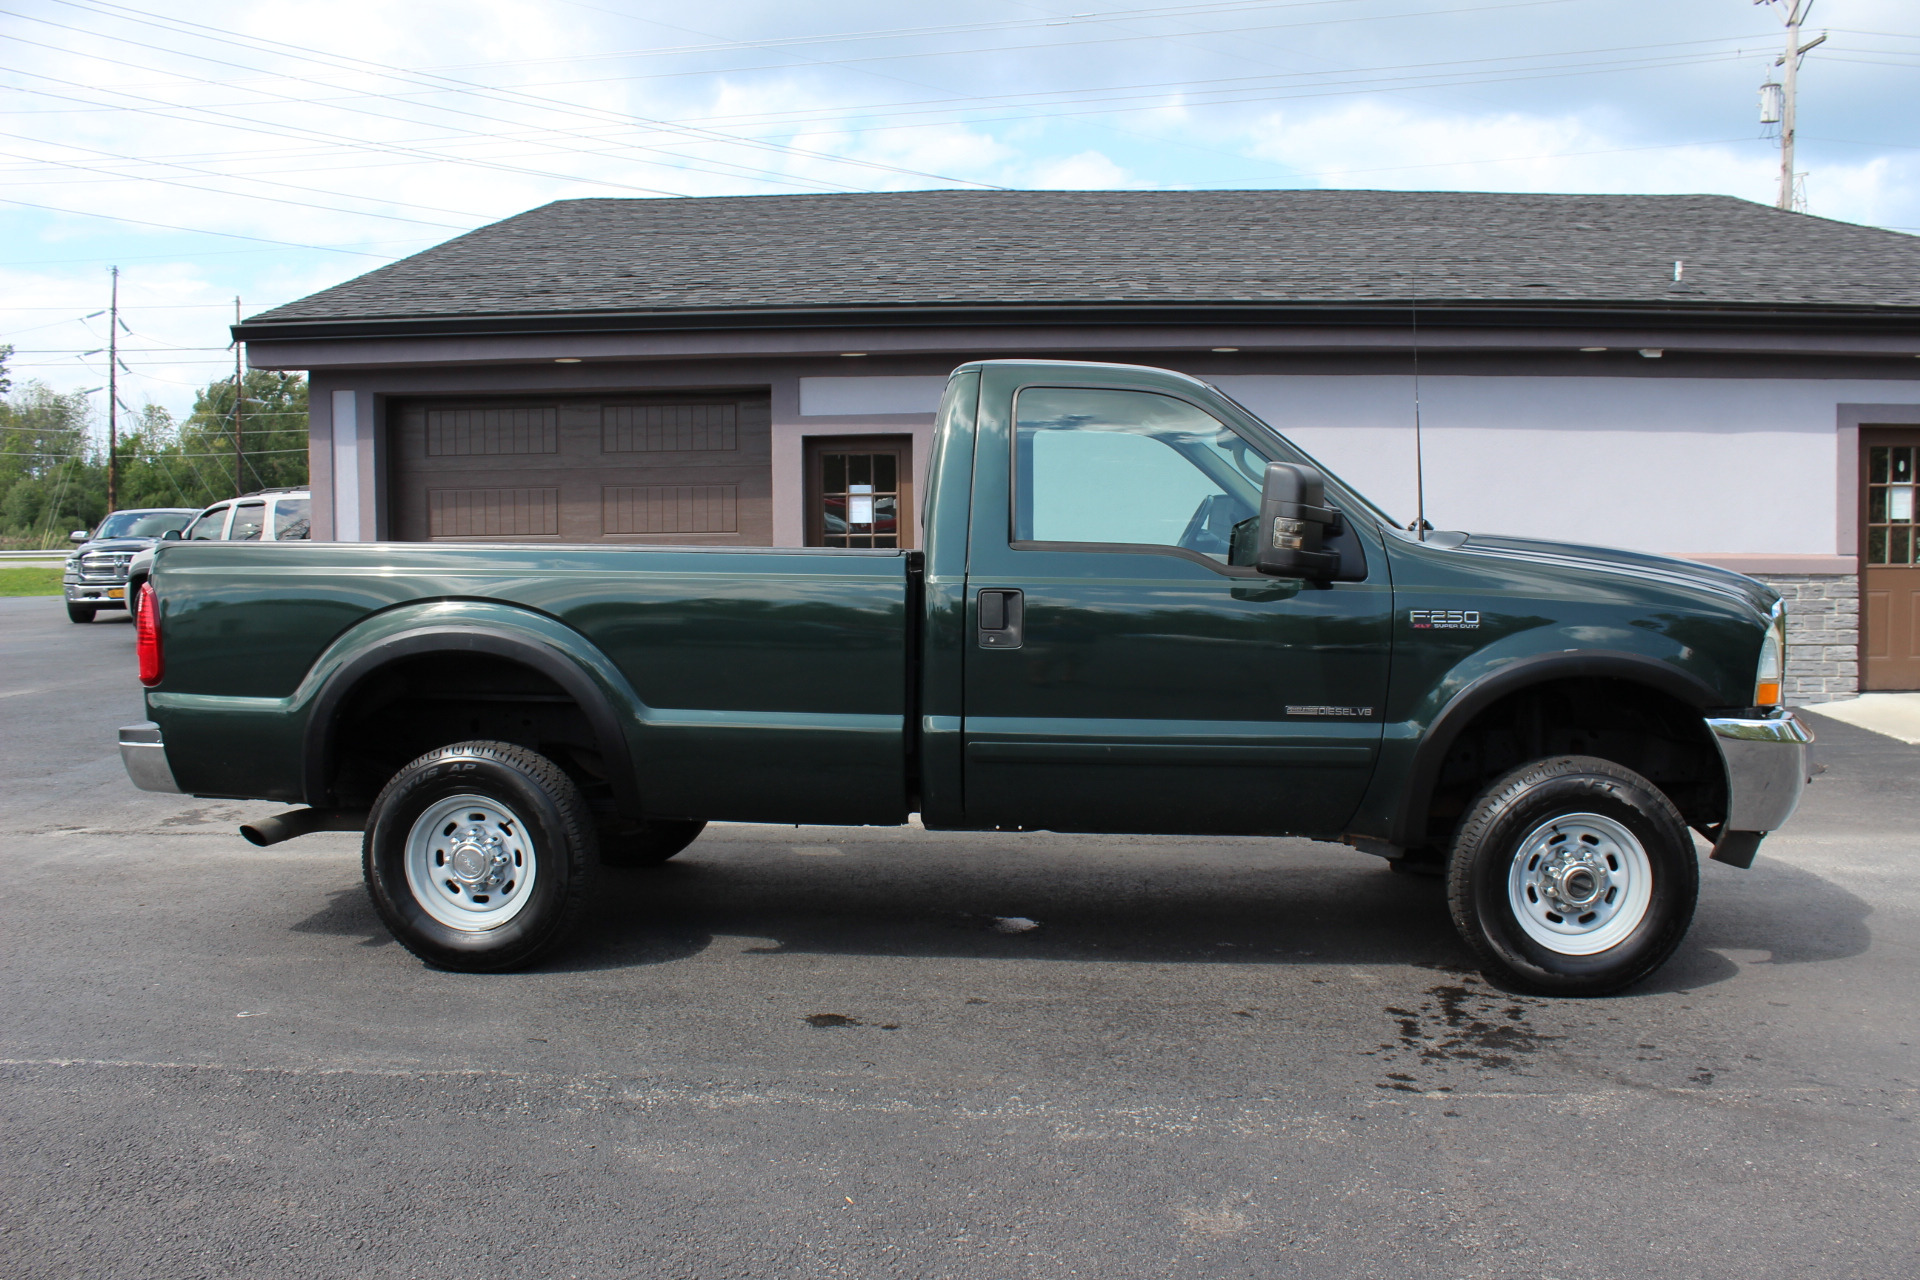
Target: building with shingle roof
(1694, 375)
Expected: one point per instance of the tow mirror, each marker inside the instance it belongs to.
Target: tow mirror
(78, 535)
(1285, 539)
(171, 535)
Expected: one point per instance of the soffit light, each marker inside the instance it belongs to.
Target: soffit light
(1226, 350)
(566, 360)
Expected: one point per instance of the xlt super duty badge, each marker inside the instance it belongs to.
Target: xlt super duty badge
(1444, 619)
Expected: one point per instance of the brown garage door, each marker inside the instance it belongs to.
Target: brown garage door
(671, 469)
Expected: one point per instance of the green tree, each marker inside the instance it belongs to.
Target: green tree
(53, 464)
(48, 483)
(274, 430)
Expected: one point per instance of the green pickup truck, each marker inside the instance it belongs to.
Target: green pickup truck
(1138, 609)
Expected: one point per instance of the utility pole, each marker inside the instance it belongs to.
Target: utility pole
(1796, 14)
(113, 396)
(239, 398)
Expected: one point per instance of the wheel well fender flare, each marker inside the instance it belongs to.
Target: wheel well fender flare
(595, 703)
(1423, 774)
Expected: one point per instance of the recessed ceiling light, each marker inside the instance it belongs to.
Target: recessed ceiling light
(850, 354)
(567, 360)
(1652, 353)
(1226, 349)
(1593, 348)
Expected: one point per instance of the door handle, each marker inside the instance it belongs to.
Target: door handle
(1000, 619)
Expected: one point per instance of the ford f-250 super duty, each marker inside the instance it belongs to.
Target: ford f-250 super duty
(1137, 609)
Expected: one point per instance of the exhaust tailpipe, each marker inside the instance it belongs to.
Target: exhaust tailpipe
(300, 822)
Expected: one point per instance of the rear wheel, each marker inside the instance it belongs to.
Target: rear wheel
(81, 612)
(650, 843)
(1573, 876)
(478, 856)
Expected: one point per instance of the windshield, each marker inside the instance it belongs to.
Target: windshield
(141, 524)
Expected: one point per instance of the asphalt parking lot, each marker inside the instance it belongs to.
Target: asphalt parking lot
(807, 1052)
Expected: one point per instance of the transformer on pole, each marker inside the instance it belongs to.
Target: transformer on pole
(1777, 100)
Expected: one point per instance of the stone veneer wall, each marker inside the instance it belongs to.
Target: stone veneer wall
(1823, 634)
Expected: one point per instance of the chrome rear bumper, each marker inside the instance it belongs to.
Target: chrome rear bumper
(1767, 769)
(145, 756)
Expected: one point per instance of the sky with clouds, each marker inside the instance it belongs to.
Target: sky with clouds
(268, 149)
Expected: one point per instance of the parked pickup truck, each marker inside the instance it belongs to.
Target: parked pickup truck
(1137, 609)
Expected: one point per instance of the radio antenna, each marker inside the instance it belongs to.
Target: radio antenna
(1419, 454)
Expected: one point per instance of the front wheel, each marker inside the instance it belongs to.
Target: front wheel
(478, 856)
(81, 612)
(1573, 876)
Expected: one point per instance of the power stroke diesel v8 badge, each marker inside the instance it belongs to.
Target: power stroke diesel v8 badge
(1444, 619)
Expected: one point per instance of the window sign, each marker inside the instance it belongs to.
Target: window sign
(860, 505)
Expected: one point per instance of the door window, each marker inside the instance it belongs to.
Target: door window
(858, 492)
(1129, 467)
(249, 518)
(208, 526)
(292, 519)
(1892, 536)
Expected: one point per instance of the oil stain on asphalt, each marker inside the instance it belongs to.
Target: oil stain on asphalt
(1461, 1025)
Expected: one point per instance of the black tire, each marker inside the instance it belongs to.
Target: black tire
(1510, 819)
(81, 612)
(650, 843)
(555, 834)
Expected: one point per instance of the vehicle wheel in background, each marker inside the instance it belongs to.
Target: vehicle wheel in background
(1573, 876)
(479, 856)
(81, 612)
(650, 843)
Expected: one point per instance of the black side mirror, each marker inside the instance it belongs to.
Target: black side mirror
(171, 535)
(1285, 539)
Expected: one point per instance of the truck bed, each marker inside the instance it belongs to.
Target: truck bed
(787, 666)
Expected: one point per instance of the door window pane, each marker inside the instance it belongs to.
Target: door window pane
(208, 526)
(1129, 467)
(292, 519)
(249, 518)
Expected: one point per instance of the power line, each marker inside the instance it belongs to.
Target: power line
(174, 26)
(245, 195)
(167, 226)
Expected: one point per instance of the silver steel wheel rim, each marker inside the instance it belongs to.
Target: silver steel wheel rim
(1579, 884)
(471, 863)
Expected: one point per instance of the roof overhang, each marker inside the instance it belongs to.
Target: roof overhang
(1677, 315)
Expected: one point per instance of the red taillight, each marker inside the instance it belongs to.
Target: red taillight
(146, 637)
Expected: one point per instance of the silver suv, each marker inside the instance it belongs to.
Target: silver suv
(96, 574)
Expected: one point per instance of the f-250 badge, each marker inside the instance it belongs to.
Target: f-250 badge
(1444, 619)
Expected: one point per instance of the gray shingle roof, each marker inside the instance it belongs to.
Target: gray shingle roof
(1130, 248)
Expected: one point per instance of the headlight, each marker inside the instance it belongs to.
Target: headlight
(1770, 677)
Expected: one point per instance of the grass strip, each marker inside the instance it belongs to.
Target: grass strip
(31, 580)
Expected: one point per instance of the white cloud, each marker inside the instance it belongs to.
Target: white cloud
(1088, 171)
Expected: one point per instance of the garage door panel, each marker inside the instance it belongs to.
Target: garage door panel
(671, 469)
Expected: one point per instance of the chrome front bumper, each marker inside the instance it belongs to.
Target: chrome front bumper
(107, 595)
(145, 756)
(1767, 769)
